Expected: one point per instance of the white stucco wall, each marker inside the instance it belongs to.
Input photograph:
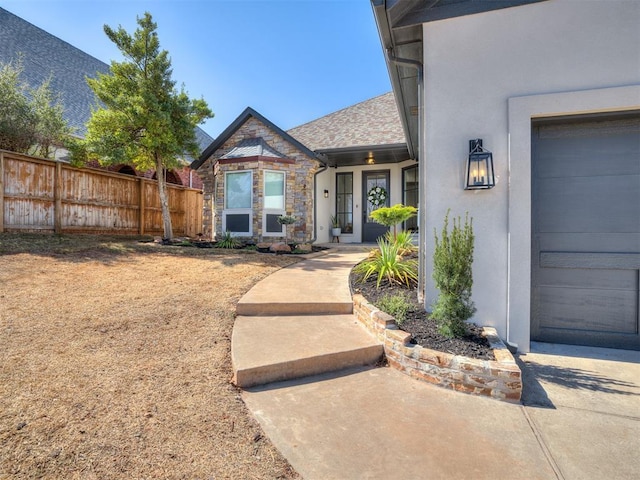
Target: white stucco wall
(486, 76)
(326, 206)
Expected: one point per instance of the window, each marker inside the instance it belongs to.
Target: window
(274, 190)
(410, 194)
(238, 197)
(274, 203)
(344, 201)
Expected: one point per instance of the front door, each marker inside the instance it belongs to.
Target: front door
(375, 194)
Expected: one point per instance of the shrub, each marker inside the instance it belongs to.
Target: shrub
(390, 265)
(395, 305)
(228, 241)
(286, 220)
(452, 261)
(404, 240)
(391, 216)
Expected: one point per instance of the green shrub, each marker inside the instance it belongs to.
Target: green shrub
(404, 240)
(387, 263)
(395, 305)
(391, 216)
(228, 241)
(452, 261)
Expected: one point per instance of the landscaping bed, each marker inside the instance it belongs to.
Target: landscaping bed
(423, 329)
(478, 363)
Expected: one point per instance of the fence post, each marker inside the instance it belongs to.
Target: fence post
(57, 198)
(1, 192)
(141, 206)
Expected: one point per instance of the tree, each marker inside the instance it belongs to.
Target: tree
(31, 120)
(144, 120)
(17, 119)
(51, 128)
(391, 216)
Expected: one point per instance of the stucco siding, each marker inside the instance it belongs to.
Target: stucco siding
(473, 66)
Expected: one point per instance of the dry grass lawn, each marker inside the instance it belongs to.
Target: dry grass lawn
(115, 361)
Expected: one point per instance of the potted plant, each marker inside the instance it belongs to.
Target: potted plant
(335, 226)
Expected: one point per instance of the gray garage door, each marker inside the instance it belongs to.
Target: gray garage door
(586, 231)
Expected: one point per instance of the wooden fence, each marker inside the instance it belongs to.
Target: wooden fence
(52, 196)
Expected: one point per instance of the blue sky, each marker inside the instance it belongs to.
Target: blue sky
(291, 60)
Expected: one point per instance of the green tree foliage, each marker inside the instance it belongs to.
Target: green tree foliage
(392, 216)
(452, 273)
(31, 120)
(51, 128)
(144, 120)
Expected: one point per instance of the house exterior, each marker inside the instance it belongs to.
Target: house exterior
(253, 173)
(318, 170)
(46, 56)
(553, 90)
(364, 147)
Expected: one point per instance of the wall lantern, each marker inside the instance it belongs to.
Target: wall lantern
(326, 194)
(480, 175)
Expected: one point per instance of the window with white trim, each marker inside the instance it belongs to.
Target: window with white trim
(238, 199)
(274, 203)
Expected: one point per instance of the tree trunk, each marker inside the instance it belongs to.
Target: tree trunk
(164, 200)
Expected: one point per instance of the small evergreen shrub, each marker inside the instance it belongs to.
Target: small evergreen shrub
(452, 273)
(389, 264)
(397, 306)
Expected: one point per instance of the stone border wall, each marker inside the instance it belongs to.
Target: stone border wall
(500, 379)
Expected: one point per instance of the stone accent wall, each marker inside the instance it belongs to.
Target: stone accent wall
(500, 379)
(298, 183)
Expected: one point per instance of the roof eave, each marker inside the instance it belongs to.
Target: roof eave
(404, 99)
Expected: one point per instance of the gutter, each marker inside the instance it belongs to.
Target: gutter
(422, 176)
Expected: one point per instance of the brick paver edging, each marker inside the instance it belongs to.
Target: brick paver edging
(500, 379)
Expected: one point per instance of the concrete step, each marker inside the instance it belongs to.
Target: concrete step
(274, 308)
(268, 349)
(317, 286)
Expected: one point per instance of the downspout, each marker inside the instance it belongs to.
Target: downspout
(315, 202)
(422, 211)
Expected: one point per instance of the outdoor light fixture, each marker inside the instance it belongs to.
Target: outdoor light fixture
(370, 160)
(326, 194)
(480, 175)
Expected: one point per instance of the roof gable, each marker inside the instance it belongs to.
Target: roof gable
(247, 114)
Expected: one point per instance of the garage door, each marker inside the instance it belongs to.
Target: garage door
(585, 273)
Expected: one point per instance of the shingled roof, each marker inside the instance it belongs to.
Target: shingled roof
(44, 55)
(373, 122)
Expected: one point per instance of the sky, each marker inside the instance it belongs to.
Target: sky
(291, 60)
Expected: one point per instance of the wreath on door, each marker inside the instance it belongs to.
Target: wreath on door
(377, 196)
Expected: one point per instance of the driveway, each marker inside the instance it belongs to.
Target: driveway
(584, 405)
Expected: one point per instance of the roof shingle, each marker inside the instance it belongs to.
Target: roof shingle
(373, 122)
(252, 147)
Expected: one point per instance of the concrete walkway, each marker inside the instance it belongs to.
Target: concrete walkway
(580, 417)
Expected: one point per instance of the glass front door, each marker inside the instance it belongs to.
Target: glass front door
(375, 194)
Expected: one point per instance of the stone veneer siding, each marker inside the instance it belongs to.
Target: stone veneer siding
(500, 379)
(299, 183)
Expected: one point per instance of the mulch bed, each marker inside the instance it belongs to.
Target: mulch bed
(423, 329)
